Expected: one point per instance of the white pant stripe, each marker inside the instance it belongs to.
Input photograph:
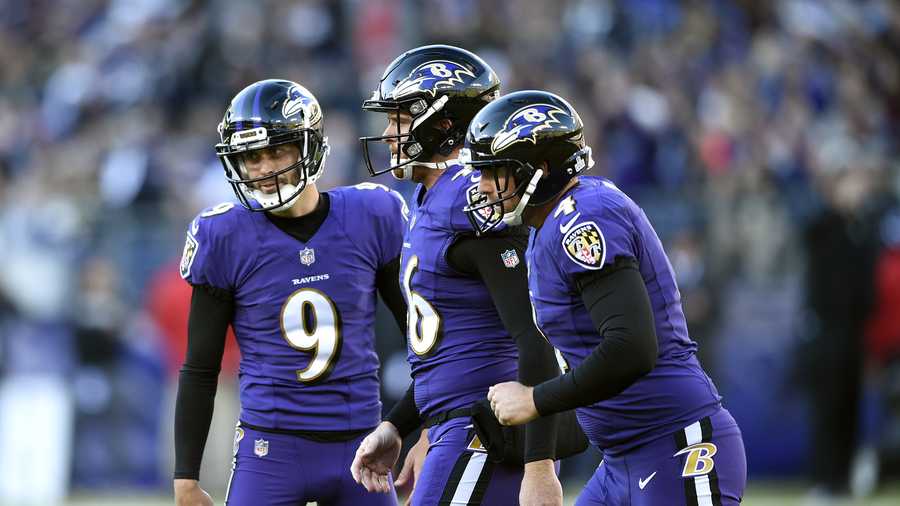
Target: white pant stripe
(693, 433)
(230, 479)
(704, 493)
(469, 478)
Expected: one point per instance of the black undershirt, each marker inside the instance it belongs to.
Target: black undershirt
(212, 310)
(508, 287)
(620, 309)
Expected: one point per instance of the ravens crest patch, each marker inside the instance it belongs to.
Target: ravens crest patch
(474, 197)
(584, 244)
(187, 256)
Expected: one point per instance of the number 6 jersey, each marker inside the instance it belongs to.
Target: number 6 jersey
(458, 346)
(304, 311)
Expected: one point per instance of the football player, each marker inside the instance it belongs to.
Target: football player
(604, 293)
(470, 323)
(294, 271)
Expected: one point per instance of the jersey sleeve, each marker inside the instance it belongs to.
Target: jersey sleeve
(595, 238)
(466, 194)
(207, 258)
(390, 217)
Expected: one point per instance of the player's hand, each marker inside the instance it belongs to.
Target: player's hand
(375, 458)
(412, 466)
(513, 403)
(189, 493)
(540, 486)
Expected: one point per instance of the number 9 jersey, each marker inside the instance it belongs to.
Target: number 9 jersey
(304, 311)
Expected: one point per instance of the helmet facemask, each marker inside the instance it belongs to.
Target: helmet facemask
(313, 149)
(417, 146)
(533, 186)
(486, 214)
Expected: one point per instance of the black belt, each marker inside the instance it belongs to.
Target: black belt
(447, 415)
(320, 436)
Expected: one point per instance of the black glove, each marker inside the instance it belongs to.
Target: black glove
(507, 444)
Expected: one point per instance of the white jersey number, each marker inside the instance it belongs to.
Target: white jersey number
(423, 323)
(404, 209)
(310, 323)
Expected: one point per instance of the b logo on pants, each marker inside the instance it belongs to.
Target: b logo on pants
(699, 459)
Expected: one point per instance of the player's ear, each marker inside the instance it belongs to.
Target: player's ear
(444, 125)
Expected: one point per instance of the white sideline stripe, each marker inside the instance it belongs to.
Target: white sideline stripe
(704, 494)
(466, 485)
(230, 479)
(693, 433)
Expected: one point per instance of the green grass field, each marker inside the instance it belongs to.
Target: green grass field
(758, 494)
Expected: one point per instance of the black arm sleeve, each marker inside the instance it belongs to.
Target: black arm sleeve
(617, 300)
(387, 279)
(212, 310)
(509, 290)
(404, 415)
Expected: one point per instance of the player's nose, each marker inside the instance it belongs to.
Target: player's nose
(388, 131)
(267, 165)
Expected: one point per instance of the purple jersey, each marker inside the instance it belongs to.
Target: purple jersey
(458, 346)
(304, 312)
(588, 229)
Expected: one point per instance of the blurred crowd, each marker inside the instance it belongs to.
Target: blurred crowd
(759, 136)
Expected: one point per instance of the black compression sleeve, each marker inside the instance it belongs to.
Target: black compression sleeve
(509, 290)
(404, 415)
(387, 279)
(617, 300)
(211, 312)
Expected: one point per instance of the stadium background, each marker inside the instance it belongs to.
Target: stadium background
(733, 123)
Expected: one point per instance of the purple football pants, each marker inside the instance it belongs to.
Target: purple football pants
(701, 465)
(279, 469)
(456, 470)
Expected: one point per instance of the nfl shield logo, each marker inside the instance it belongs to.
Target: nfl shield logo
(510, 258)
(307, 256)
(261, 447)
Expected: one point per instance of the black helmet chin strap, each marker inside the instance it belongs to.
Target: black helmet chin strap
(514, 218)
(447, 145)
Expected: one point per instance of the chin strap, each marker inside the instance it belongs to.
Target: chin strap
(405, 165)
(514, 217)
(435, 106)
(270, 201)
(438, 165)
